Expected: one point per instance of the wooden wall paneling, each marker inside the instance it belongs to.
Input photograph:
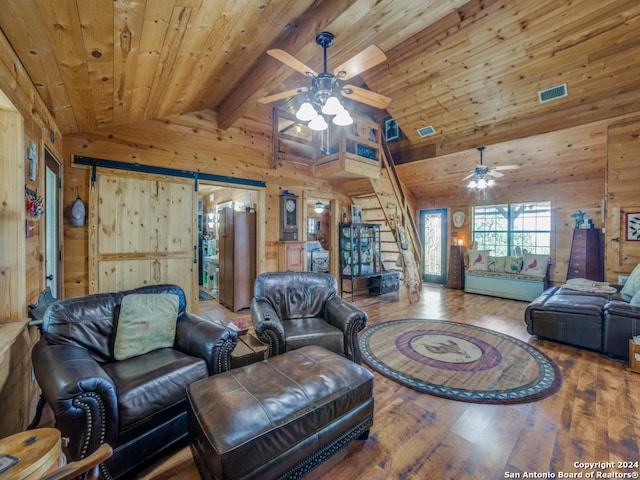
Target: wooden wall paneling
(623, 178)
(185, 142)
(12, 215)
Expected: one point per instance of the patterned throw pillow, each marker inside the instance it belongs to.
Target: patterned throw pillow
(147, 322)
(478, 260)
(496, 264)
(632, 285)
(512, 264)
(535, 265)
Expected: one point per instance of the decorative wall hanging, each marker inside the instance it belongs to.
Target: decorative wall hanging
(633, 227)
(78, 211)
(391, 130)
(34, 204)
(458, 219)
(32, 156)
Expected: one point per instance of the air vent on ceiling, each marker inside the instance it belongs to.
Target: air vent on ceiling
(426, 131)
(552, 93)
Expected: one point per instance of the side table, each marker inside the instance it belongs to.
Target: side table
(39, 451)
(248, 350)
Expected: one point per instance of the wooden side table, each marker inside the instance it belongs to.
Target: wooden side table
(39, 451)
(248, 350)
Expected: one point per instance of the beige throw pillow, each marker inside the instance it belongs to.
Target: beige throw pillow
(535, 265)
(147, 322)
(632, 285)
(478, 260)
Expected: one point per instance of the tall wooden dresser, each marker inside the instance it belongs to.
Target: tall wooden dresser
(585, 260)
(237, 258)
(455, 275)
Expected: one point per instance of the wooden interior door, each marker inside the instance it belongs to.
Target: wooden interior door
(143, 231)
(623, 179)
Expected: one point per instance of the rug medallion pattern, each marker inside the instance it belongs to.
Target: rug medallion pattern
(459, 361)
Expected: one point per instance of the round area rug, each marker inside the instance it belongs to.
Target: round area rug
(460, 362)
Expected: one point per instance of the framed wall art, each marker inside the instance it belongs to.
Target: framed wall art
(356, 214)
(391, 130)
(633, 227)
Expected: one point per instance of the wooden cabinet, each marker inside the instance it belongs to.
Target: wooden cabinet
(237, 258)
(585, 260)
(291, 256)
(455, 275)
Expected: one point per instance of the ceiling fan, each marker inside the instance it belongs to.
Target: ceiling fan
(484, 176)
(325, 86)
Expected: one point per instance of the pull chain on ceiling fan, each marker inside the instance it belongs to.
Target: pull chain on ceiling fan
(323, 95)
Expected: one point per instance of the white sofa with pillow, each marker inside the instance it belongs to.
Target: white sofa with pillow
(518, 278)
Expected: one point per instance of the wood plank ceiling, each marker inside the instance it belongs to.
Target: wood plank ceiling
(471, 69)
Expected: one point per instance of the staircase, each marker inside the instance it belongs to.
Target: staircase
(383, 201)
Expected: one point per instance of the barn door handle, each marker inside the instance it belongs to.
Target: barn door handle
(49, 277)
(615, 239)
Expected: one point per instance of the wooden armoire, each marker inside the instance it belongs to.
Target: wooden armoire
(237, 258)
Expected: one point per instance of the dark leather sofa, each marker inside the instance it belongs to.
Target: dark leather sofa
(600, 322)
(293, 309)
(137, 405)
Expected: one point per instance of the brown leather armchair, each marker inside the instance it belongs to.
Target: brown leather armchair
(137, 405)
(293, 309)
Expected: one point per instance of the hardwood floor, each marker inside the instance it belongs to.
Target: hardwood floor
(593, 418)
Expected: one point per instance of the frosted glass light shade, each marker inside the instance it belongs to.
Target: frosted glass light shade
(342, 118)
(306, 112)
(482, 184)
(318, 124)
(332, 106)
(472, 184)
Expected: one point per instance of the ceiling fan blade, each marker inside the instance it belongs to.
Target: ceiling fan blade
(281, 95)
(366, 96)
(291, 61)
(366, 59)
(507, 167)
(495, 173)
(468, 176)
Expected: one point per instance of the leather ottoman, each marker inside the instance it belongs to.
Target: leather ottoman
(278, 418)
(568, 316)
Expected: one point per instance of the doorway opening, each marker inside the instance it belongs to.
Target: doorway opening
(53, 248)
(433, 234)
(318, 234)
(213, 200)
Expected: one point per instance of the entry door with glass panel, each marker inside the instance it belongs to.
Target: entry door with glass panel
(433, 233)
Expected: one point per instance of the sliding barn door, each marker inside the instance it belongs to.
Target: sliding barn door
(622, 244)
(143, 231)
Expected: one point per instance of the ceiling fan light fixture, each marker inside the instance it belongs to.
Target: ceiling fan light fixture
(319, 208)
(491, 182)
(342, 118)
(306, 112)
(332, 106)
(318, 124)
(481, 184)
(472, 184)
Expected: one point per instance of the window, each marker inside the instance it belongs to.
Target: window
(513, 229)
